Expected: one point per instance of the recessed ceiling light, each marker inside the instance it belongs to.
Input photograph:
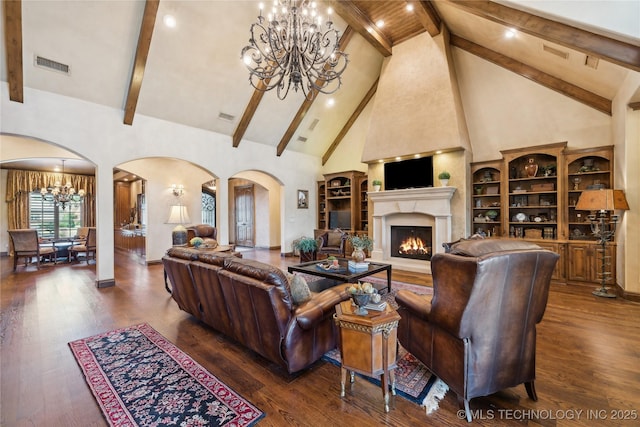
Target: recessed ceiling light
(409, 7)
(379, 23)
(510, 33)
(330, 102)
(169, 21)
(439, 152)
(398, 158)
(416, 156)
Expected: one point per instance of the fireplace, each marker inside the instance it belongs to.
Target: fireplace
(416, 207)
(410, 242)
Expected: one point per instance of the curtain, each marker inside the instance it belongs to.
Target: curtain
(22, 182)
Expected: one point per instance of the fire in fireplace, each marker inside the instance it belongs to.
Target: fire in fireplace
(411, 242)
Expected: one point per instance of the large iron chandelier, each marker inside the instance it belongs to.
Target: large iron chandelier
(289, 48)
(62, 194)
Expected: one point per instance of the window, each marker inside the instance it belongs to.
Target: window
(51, 221)
(208, 208)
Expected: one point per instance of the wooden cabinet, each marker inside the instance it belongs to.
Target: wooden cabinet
(364, 204)
(560, 272)
(485, 203)
(322, 205)
(585, 262)
(586, 169)
(533, 192)
(342, 192)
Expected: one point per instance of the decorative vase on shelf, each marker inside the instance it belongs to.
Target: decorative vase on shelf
(358, 255)
(531, 168)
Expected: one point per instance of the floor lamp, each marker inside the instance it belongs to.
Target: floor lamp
(179, 215)
(602, 226)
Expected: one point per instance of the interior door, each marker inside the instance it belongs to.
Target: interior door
(244, 208)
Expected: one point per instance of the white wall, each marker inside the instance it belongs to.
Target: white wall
(97, 134)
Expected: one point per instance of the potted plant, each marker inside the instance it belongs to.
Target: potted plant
(308, 247)
(492, 214)
(444, 177)
(376, 184)
(360, 244)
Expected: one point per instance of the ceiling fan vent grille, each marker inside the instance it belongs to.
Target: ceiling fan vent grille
(302, 139)
(557, 52)
(226, 117)
(50, 64)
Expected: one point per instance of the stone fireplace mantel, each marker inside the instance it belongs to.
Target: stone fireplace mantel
(429, 207)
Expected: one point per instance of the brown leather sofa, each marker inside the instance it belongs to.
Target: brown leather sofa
(251, 302)
(478, 333)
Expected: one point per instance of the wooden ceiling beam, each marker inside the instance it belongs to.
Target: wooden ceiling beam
(350, 122)
(13, 46)
(588, 98)
(428, 16)
(363, 25)
(249, 112)
(306, 104)
(606, 48)
(140, 62)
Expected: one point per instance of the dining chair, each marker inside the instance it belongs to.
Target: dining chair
(88, 246)
(26, 245)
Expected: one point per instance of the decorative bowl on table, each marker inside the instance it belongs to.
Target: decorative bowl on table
(361, 296)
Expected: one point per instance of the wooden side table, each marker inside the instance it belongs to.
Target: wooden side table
(368, 345)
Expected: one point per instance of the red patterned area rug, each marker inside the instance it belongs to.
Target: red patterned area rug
(413, 380)
(141, 379)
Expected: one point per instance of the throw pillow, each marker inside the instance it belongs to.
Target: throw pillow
(334, 239)
(300, 292)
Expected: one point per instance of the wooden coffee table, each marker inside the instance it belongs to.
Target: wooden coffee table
(342, 275)
(368, 345)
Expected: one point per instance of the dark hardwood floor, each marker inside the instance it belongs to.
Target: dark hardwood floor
(588, 370)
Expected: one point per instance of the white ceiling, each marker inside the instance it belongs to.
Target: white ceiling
(194, 71)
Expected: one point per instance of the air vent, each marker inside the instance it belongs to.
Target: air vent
(302, 139)
(50, 64)
(313, 124)
(557, 52)
(591, 61)
(226, 117)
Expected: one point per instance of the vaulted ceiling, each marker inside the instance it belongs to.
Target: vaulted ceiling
(121, 55)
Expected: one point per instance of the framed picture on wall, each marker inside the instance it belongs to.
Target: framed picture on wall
(303, 199)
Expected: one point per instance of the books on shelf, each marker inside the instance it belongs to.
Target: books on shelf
(376, 306)
(358, 266)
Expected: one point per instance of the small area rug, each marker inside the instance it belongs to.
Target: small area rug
(413, 380)
(141, 379)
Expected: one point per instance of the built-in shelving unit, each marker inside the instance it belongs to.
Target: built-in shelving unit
(534, 192)
(486, 204)
(342, 197)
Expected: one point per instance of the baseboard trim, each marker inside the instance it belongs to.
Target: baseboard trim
(154, 262)
(105, 283)
(629, 296)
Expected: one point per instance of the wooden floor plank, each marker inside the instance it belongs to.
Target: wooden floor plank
(588, 356)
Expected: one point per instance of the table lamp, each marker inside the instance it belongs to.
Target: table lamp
(602, 226)
(179, 215)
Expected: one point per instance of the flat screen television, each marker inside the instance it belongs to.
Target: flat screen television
(413, 173)
(340, 219)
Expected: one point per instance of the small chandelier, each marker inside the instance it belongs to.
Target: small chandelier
(62, 194)
(289, 48)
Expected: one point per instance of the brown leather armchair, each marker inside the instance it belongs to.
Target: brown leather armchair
(478, 333)
(332, 242)
(206, 231)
